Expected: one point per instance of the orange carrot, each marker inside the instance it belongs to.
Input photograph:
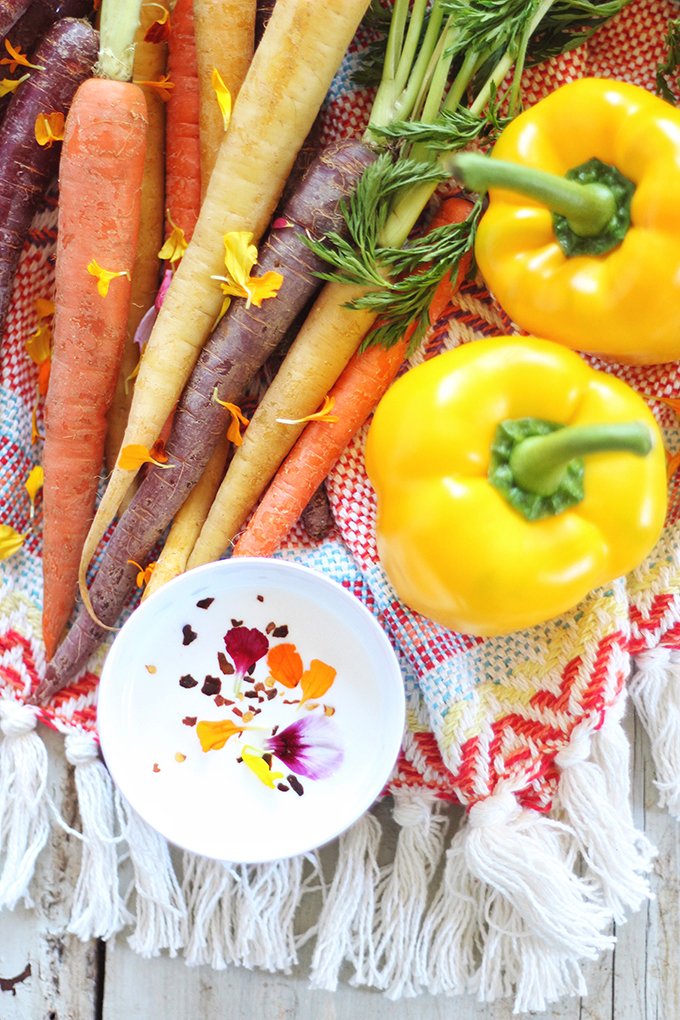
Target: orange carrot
(102, 162)
(182, 145)
(356, 393)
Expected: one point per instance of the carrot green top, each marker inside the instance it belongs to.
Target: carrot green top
(119, 22)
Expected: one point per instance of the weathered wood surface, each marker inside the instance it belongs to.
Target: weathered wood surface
(70, 980)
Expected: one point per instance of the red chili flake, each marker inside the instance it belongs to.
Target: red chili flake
(236, 623)
(291, 702)
(281, 631)
(270, 627)
(189, 634)
(272, 693)
(205, 603)
(187, 681)
(274, 729)
(190, 720)
(239, 760)
(211, 685)
(156, 767)
(224, 663)
(251, 694)
(268, 758)
(219, 701)
(296, 784)
(260, 598)
(237, 711)
(259, 686)
(282, 787)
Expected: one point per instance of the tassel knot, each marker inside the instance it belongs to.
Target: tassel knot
(81, 748)
(16, 719)
(498, 809)
(576, 751)
(411, 808)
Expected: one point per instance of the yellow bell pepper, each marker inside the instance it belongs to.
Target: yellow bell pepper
(459, 437)
(623, 304)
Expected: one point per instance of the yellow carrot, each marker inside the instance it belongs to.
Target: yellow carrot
(149, 64)
(324, 345)
(287, 81)
(188, 521)
(225, 33)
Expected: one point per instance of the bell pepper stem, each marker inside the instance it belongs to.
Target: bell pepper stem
(539, 463)
(588, 208)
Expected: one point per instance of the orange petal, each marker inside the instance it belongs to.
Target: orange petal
(133, 456)
(285, 665)
(214, 734)
(160, 30)
(323, 414)
(316, 680)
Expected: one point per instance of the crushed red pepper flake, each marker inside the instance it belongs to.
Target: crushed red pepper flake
(211, 685)
(187, 681)
(220, 701)
(224, 664)
(205, 603)
(270, 627)
(237, 711)
(311, 705)
(189, 634)
(282, 787)
(328, 710)
(190, 720)
(156, 767)
(236, 623)
(281, 631)
(180, 757)
(248, 716)
(152, 669)
(296, 784)
(296, 702)
(272, 693)
(260, 598)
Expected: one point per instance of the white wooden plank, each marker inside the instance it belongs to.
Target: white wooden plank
(646, 985)
(63, 981)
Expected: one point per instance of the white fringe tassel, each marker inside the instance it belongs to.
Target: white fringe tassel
(98, 910)
(268, 896)
(159, 909)
(593, 797)
(24, 817)
(655, 690)
(402, 897)
(345, 929)
(511, 913)
(208, 888)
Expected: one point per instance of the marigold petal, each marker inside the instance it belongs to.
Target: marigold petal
(133, 456)
(161, 86)
(259, 766)
(49, 127)
(237, 419)
(285, 664)
(213, 735)
(34, 482)
(104, 276)
(240, 255)
(316, 680)
(175, 245)
(263, 287)
(39, 344)
(159, 31)
(7, 85)
(44, 308)
(323, 414)
(10, 541)
(223, 96)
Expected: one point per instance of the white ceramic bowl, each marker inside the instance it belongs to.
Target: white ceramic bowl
(209, 801)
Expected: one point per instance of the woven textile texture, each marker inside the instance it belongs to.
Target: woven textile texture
(523, 730)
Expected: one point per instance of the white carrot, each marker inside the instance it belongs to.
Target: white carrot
(288, 80)
(225, 34)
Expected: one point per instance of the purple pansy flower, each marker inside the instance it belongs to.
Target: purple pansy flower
(309, 747)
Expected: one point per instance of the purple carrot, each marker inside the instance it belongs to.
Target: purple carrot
(29, 30)
(233, 354)
(10, 12)
(68, 53)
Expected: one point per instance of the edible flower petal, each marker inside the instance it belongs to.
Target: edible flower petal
(133, 456)
(39, 344)
(7, 85)
(161, 86)
(323, 414)
(223, 96)
(285, 664)
(237, 419)
(159, 31)
(144, 573)
(34, 484)
(104, 276)
(214, 734)
(310, 747)
(240, 257)
(44, 308)
(246, 646)
(10, 541)
(261, 769)
(16, 57)
(173, 249)
(49, 127)
(316, 680)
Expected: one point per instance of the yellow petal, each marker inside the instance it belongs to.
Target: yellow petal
(321, 415)
(49, 128)
(39, 344)
(7, 85)
(34, 482)
(133, 456)
(44, 308)
(213, 735)
(240, 255)
(10, 541)
(175, 246)
(262, 287)
(261, 769)
(104, 276)
(223, 96)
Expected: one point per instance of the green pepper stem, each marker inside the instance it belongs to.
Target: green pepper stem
(539, 463)
(588, 208)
